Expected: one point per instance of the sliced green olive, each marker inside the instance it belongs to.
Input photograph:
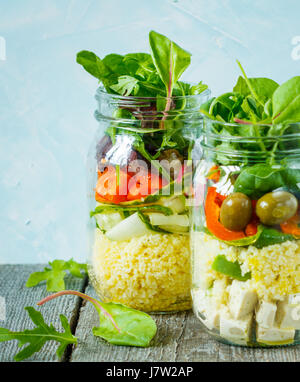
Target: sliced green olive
(236, 211)
(276, 207)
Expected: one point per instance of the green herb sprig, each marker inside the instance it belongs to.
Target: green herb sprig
(56, 273)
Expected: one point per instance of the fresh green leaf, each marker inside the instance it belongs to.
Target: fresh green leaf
(115, 207)
(271, 236)
(126, 86)
(136, 328)
(228, 268)
(286, 101)
(97, 68)
(119, 324)
(140, 64)
(262, 178)
(197, 89)
(169, 59)
(55, 275)
(264, 87)
(37, 337)
(244, 242)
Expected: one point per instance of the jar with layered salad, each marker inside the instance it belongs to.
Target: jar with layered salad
(245, 235)
(139, 183)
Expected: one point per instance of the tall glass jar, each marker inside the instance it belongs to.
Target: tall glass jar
(246, 237)
(139, 165)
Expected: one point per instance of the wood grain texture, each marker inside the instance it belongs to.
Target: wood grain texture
(179, 338)
(18, 296)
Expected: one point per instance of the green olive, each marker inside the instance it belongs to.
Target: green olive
(236, 211)
(276, 207)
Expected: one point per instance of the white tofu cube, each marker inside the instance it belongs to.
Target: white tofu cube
(274, 336)
(205, 309)
(242, 300)
(265, 314)
(236, 331)
(288, 315)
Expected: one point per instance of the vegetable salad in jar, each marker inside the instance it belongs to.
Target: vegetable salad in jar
(246, 215)
(139, 169)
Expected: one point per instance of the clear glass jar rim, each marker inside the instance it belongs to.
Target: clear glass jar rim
(247, 139)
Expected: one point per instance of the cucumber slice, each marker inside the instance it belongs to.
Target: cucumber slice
(128, 228)
(109, 220)
(172, 220)
(175, 228)
(176, 203)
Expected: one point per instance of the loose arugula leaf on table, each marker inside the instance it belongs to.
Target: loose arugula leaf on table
(54, 276)
(37, 337)
(119, 325)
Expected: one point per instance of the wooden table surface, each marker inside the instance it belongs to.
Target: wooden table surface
(179, 336)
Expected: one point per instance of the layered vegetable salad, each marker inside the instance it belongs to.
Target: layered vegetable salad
(246, 235)
(140, 254)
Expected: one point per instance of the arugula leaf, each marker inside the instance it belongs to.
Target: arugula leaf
(55, 276)
(169, 59)
(119, 325)
(37, 337)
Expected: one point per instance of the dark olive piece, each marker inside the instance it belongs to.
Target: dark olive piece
(236, 211)
(276, 207)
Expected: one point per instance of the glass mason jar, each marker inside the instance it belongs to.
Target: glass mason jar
(246, 230)
(138, 169)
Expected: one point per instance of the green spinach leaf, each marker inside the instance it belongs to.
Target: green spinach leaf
(169, 59)
(119, 324)
(261, 178)
(228, 268)
(126, 85)
(271, 236)
(286, 102)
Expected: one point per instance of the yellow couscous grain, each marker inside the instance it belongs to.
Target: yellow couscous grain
(275, 269)
(150, 272)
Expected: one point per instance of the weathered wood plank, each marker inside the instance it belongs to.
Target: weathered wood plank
(17, 296)
(179, 338)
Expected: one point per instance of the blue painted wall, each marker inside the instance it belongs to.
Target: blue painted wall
(47, 104)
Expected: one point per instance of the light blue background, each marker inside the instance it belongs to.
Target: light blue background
(47, 104)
